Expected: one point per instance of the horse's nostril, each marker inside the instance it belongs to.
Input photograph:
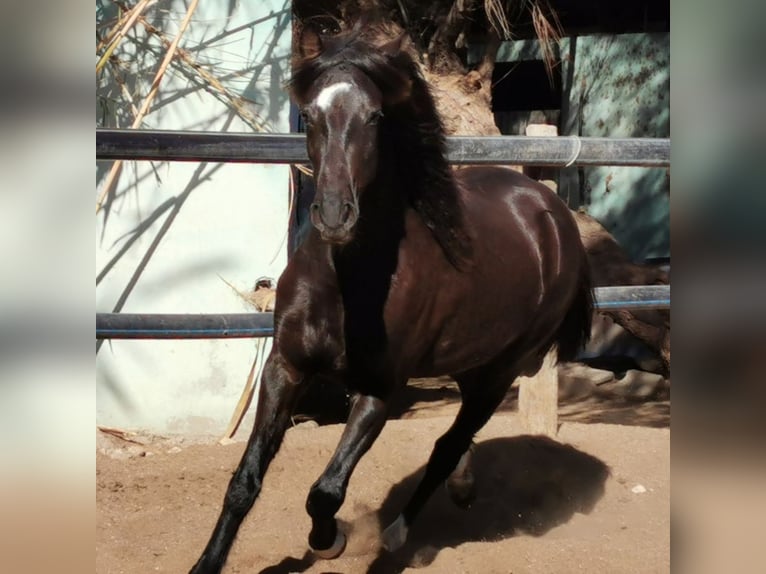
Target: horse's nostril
(350, 212)
(315, 216)
(333, 214)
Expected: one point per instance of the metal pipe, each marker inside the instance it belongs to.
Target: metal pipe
(291, 148)
(249, 325)
(161, 145)
(634, 298)
(183, 326)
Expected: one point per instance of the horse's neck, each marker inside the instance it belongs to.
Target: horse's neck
(362, 270)
(372, 255)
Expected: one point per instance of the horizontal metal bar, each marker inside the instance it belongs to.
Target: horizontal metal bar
(631, 297)
(200, 146)
(559, 151)
(246, 325)
(183, 326)
(163, 145)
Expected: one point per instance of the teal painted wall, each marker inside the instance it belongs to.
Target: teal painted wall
(613, 86)
(619, 86)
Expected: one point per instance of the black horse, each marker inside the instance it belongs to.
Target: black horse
(411, 269)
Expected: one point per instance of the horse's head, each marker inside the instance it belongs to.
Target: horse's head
(341, 118)
(342, 106)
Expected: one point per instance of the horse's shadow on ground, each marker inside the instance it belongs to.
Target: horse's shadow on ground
(525, 485)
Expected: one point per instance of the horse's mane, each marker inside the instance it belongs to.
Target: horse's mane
(411, 129)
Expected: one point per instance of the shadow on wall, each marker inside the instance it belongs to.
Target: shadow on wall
(126, 78)
(228, 74)
(249, 84)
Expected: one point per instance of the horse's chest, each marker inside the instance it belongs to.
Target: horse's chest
(311, 336)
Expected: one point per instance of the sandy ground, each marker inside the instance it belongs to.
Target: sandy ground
(595, 500)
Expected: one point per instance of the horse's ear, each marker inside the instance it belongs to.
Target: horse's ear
(393, 47)
(310, 42)
(397, 95)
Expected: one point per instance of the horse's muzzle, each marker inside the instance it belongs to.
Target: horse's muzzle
(334, 219)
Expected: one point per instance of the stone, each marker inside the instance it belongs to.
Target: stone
(125, 453)
(638, 385)
(578, 381)
(542, 130)
(306, 425)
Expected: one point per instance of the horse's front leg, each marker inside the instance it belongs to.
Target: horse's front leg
(365, 421)
(279, 391)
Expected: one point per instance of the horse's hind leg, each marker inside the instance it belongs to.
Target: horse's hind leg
(460, 483)
(365, 421)
(482, 393)
(279, 390)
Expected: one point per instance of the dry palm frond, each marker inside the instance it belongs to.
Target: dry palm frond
(208, 80)
(117, 166)
(121, 434)
(121, 28)
(544, 20)
(497, 18)
(187, 64)
(261, 298)
(252, 386)
(118, 77)
(548, 29)
(305, 170)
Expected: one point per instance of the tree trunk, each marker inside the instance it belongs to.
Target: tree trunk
(611, 266)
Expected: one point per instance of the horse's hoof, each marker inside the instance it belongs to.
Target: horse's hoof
(461, 485)
(395, 535)
(463, 495)
(333, 551)
(462, 491)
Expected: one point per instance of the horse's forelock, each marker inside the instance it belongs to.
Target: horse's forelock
(391, 73)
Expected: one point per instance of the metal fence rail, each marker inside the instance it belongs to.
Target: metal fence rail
(247, 325)
(561, 151)
(161, 145)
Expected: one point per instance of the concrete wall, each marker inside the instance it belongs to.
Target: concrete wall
(175, 231)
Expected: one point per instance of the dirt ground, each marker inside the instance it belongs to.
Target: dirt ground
(595, 500)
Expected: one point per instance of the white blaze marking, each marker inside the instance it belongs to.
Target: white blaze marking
(327, 95)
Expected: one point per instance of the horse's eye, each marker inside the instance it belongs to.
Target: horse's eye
(374, 117)
(305, 118)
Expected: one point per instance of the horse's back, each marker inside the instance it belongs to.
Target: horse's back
(517, 222)
(526, 266)
(507, 190)
(507, 209)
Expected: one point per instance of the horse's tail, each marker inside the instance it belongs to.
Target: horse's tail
(574, 331)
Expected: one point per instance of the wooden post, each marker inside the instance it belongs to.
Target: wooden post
(539, 399)
(545, 175)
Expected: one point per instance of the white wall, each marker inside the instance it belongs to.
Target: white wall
(232, 225)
